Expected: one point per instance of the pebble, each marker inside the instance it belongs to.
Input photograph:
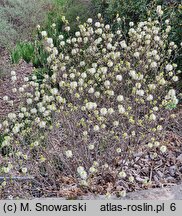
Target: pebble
(172, 170)
(179, 158)
(160, 174)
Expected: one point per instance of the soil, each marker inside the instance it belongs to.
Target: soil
(22, 69)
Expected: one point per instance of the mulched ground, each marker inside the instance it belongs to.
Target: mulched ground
(22, 69)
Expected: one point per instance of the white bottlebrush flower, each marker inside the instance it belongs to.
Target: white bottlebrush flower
(109, 46)
(6, 169)
(123, 44)
(172, 93)
(24, 170)
(91, 90)
(42, 109)
(54, 91)
(96, 128)
(21, 89)
(110, 92)
(14, 90)
(121, 109)
(67, 28)
(104, 70)
(155, 108)
(131, 24)
(131, 179)
(140, 92)
(83, 183)
(83, 75)
(120, 98)
(23, 109)
(122, 174)
(162, 81)
(138, 85)
(95, 164)
(97, 24)
(92, 170)
(68, 153)
(152, 86)
(152, 117)
(167, 21)
(42, 124)
(82, 63)
(80, 169)
(77, 34)
(44, 34)
(157, 38)
(110, 111)
(13, 78)
(89, 20)
(107, 27)
(92, 70)
(62, 43)
(118, 150)
(154, 52)
(159, 10)
(175, 78)
(29, 101)
(36, 143)
(116, 123)
(122, 193)
(91, 147)
(97, 94)
(153, 65)
(12, 116)
(150, 145)
(13, 73)
(136, 54)
(169, 67)
(103, 111)
(16, 129)
(49, 41)
(33, 111)
(150, 97)
(107, 83)
(110, 64)
(132, 73)
(159, 127)
(91, 105)
(5, 98)
(163, 149)
(61, 37)
(119, 77)
(83, 174)
(73, 85)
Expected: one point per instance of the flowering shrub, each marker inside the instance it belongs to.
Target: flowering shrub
(106, 98)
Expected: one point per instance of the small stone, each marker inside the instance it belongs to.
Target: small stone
(139, 154)
(156, 178)
(170, 179)
(179, 158)
(160, 174)
(140, 179)
(172, 170)
(180, 169)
